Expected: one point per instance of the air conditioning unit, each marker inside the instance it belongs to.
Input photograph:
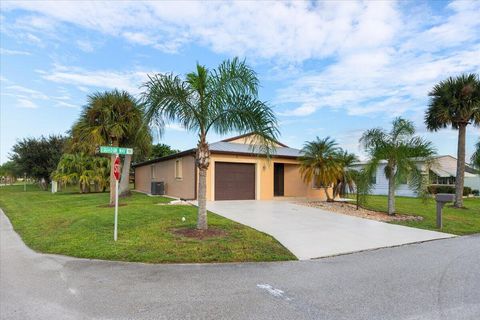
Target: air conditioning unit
(157, 188)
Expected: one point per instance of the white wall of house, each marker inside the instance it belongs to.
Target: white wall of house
(381, 185)
(473, 182)
(444, 163)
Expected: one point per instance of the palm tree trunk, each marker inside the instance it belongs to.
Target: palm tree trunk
(202, 162)
(329, 199)
(202, 222)
(391, 194)
(125, 180)
(459, 181)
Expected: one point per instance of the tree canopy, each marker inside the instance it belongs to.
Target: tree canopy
(401, 150)
(455, 102)
(161, 150)
(222, 100)
(319, 163)
(38, 158)
(112, 118)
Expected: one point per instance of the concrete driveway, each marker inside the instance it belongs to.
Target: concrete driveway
(313, 233)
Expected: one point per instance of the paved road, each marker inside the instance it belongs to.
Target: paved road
(433, 280)
(312, 233)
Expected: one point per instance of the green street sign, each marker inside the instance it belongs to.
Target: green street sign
(115, 150)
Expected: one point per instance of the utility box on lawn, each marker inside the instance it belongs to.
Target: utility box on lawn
(157, 188)
(441, 199)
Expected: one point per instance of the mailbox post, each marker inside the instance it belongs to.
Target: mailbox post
(441, 199)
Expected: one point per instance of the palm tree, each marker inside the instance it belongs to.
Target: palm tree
(319, 163)
(101, 173)
(455, 102)
(475, 159)
(83, 170)
(221, 100)
(346, 183)
(401, 149)
(363, 185)
(112, 118)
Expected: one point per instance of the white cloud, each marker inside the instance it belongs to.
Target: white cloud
(9, 52)
(83, 89)
(85, 45)
(304, 110)
(174, 127)
(104, 79)
(386, 81)
(33, 39)
(66, 104)
(25, 103)
(138, 37)
(17, 90)
(290, 31)
(370, 56)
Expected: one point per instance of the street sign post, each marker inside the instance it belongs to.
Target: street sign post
(116, 173)
(115, 150)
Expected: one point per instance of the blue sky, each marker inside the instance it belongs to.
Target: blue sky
(327, 68)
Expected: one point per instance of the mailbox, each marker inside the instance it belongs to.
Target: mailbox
(441, 199)
(444, 197)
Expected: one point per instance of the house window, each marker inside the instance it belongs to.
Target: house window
(435, 179)
(446, 180)
(178, 169)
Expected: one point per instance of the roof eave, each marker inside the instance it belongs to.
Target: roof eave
(169, 157)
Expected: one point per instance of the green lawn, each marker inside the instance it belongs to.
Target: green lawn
(455, 221)
(74, 224)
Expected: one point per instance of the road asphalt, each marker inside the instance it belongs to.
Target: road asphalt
(431, 280)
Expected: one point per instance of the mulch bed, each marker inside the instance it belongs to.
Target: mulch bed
(200, 234)
(351, 210)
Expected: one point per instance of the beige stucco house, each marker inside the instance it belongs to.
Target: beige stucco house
(236, 172)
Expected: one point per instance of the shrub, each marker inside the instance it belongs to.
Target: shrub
(434, 189)
(476, 192)
(467, 191)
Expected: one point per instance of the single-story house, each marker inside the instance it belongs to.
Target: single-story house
(237, 171)
(442, 173)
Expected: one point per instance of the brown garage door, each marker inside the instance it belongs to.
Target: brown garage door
(234, 181)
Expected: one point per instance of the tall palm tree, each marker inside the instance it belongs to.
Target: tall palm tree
(475, 159)
(112, 118)
(319, 163)
(401, 149)
(455, 102)
(346, 182)
(223, 100)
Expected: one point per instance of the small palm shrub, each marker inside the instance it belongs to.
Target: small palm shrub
(84, 171)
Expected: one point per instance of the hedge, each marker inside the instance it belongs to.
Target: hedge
(434, 189)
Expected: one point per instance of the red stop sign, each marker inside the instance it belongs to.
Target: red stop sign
(116, 168)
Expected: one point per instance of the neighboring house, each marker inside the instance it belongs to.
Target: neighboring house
(442, 172)
(237, 171)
